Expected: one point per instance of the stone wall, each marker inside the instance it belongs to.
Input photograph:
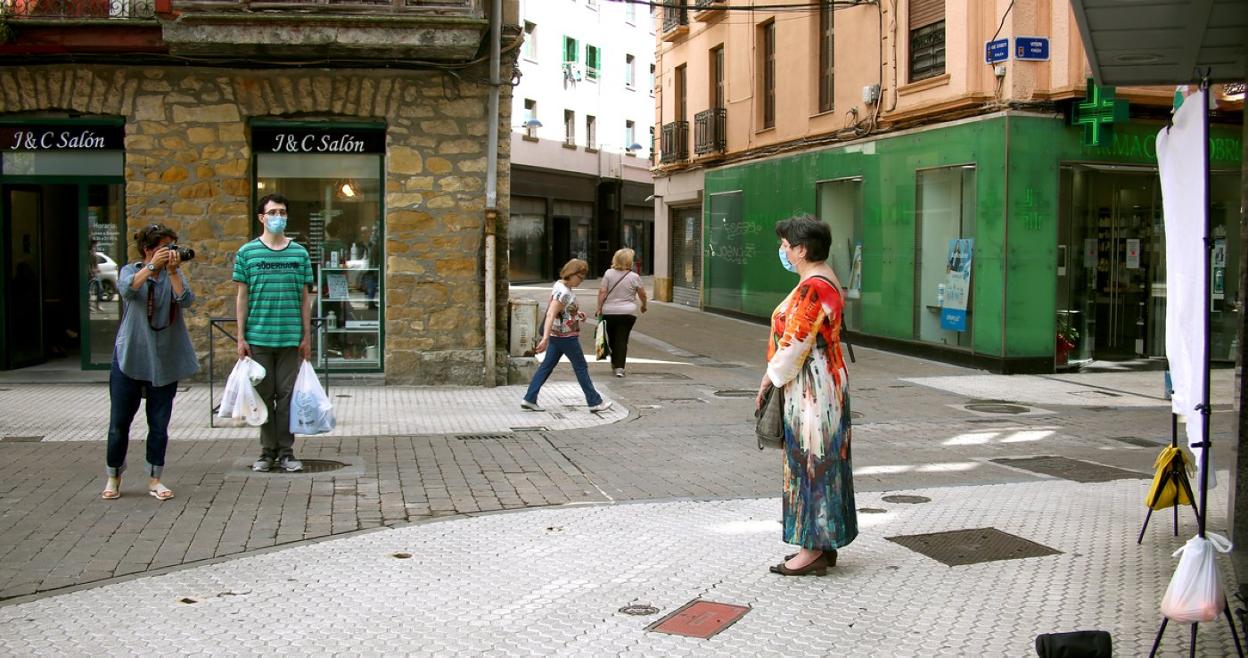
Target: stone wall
(189, 166)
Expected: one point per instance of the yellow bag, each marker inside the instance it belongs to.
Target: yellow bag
(1160, 497)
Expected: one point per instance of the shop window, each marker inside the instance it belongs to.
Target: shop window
(839, 205)
(526, 239)
(944, 254)
(336, 213)
(729, 246)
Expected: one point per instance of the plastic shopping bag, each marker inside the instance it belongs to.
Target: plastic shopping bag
(601, 349)
(1195, 591)
(241, 403)
(310, 409)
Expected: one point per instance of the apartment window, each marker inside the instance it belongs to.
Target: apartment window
(767, 35)
(652, 79)
(630, 65)
(927, 39)
(592, 63)
(530, 40)
(717, 77)
(630, 134)
(591, 132)
(682, 98)
(571, 51)
(630, 13)
(530, 117)
(826, 57)
(569, 127)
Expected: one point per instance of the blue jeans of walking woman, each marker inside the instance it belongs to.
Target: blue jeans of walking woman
(125, 394)
(556, 348)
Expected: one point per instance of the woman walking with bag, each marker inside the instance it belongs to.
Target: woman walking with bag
(561, 331)
(804, 360)
(153, 351)
(620, 296)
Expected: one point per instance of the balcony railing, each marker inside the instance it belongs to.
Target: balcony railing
(80, 9)
(674, 142)
(331, 6)
(710, 131)
(675, 17)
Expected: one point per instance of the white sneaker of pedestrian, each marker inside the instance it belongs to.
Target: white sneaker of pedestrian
(601, 406)
(531, 406)
(619, 372)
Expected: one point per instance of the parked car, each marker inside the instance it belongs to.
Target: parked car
(103, 287)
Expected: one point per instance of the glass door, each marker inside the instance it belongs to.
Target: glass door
(23, 228)
(104, 255)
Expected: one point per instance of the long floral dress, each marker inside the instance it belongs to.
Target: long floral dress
(819, 510)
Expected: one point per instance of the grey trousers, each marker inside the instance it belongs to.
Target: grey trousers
(281, 367)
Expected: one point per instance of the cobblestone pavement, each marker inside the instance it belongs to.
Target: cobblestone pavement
(551, 582)
(682, 431)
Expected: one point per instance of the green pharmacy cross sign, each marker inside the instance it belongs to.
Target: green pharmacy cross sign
(1098, 114)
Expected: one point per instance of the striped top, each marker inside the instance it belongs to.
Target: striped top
(275, 280)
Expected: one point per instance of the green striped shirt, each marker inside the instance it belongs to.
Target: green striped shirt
(275, 283)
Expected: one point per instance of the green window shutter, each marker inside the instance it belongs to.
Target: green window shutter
(570, 50)
(591, 62)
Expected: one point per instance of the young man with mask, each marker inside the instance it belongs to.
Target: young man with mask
(274, 313)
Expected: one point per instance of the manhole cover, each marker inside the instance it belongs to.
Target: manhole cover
(22, 439)
(482, 437)
(639, 610)
(1069, 469)
(321, 465)
(871, 510)
(1135, 441)
(974, 546)
(737, 393)
(906, 499)
(698, 618)
(997, 408)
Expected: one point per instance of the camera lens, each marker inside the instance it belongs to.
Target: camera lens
(185, 253)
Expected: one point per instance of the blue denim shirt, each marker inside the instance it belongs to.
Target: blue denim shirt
(160, 357)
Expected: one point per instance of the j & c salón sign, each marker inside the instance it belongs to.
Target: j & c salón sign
(61, 138)
(327, 141)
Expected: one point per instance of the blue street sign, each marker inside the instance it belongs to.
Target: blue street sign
(997, 51)
(1033, 49)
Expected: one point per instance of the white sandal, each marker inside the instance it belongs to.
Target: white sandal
(160, 492)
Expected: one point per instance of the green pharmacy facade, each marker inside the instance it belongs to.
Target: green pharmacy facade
(1067, 251)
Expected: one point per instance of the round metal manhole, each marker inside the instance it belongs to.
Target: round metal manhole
(639, 610)
(997, 408)
(736, 393)
(907, 499)
(321, 466)
(872, 510)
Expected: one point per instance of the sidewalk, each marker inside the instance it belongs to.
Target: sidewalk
(551, 582)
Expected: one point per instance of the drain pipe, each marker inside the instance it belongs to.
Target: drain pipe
(491, 195)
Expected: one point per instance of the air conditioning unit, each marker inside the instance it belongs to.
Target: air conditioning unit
(573, 72)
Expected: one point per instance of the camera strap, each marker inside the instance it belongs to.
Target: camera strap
(151, 307)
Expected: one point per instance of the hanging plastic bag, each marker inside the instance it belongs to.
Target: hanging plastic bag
(241, 404)
(310, 409)
(1195, 591)
(601, 349)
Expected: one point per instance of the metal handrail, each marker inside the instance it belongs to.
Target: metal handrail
(218, 324)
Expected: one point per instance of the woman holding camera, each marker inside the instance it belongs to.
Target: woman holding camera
(153, 351)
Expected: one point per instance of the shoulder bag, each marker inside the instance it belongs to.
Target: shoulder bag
(769, 425)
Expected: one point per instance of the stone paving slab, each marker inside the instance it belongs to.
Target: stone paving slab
(80, 413)
(550, 582)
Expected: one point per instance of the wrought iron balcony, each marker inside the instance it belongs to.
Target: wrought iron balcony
(454, 7)
(710, 131)
(675, 19)
(39, 10)
(674, 142)
(705, 10)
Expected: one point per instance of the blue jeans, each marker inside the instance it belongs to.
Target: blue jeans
(124, 396)
(556, 348)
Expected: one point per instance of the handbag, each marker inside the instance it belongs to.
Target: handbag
(602, 348)
(769, 427)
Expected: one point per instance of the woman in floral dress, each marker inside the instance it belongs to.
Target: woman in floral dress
(804, 358)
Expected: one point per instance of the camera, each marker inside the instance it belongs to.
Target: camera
(184, 253)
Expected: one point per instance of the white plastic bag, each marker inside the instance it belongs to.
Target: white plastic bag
(241, 403)
(1195, 591)
(310, 409)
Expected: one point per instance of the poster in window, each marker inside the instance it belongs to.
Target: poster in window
(336, 282)
(957, 285)
(855, 274)
(1133, 253)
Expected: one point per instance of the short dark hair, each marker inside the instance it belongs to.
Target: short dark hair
(275, 198)
(806, 231)
(150, 236)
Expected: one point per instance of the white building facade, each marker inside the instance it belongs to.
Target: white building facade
(582, 134)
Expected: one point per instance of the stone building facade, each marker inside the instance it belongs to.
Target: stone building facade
(194, 160)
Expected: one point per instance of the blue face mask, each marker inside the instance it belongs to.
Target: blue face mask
(277, 224)
(784, 260)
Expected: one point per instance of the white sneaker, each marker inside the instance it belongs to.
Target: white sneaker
(531, 406)
(619, 372)
(601, 406)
